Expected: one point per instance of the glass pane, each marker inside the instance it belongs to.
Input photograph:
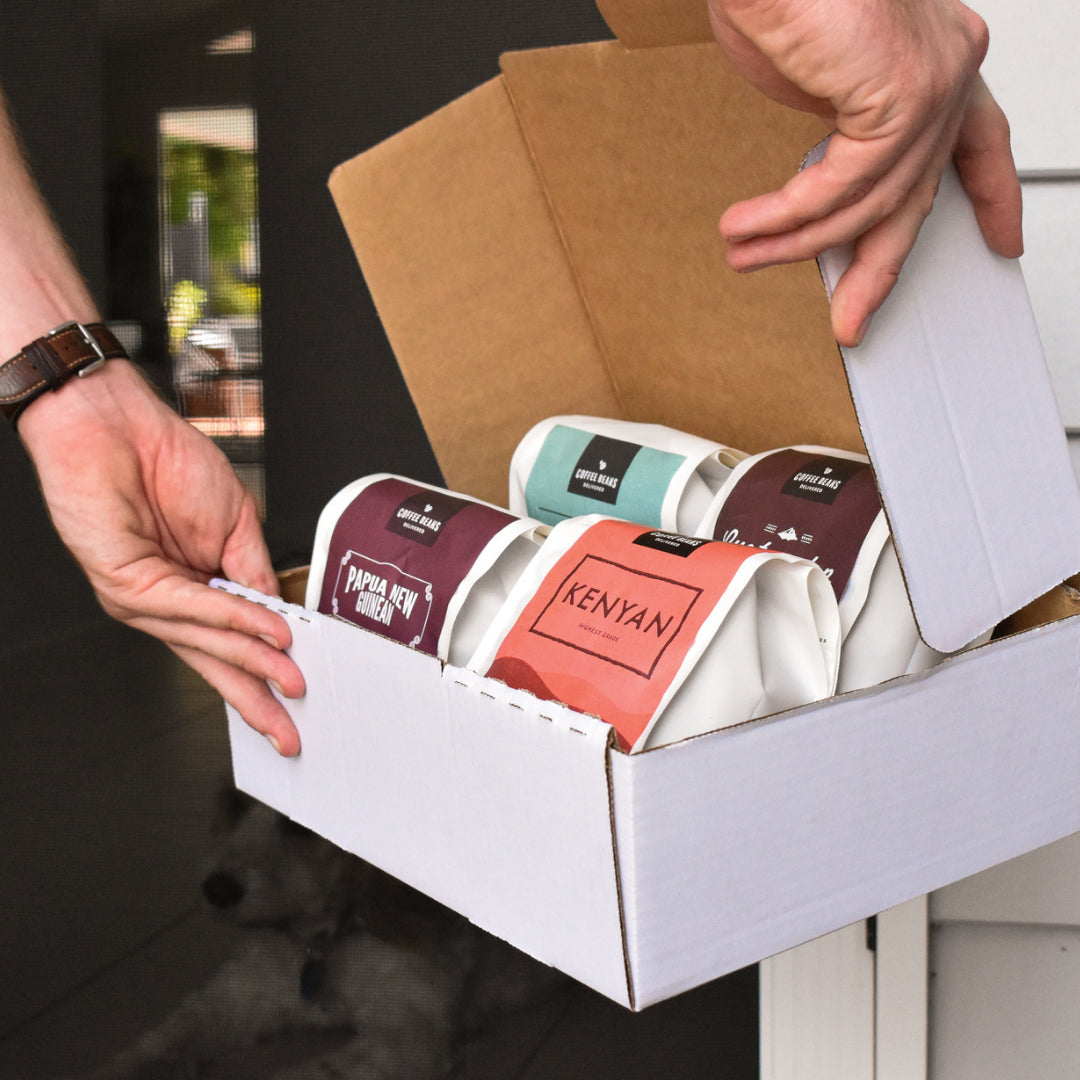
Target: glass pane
(209, 243)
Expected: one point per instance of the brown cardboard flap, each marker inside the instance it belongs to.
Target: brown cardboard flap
(1061, 602)
(457, 244)
(644, 23)
(639, 153)
(548, 244)
(292, 584)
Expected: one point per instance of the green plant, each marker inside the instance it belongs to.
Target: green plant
(184, 307)
(227, 178)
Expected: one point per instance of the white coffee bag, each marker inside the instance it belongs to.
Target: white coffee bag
(823, 504)
(567, 466)
(664, 636)
(418, 564)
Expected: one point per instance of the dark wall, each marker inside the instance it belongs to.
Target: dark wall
(57, 107)
(156, 59)
(329, 84)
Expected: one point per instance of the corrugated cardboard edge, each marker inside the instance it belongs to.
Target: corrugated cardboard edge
(631, 989)
(1061, 602)
(293, 584)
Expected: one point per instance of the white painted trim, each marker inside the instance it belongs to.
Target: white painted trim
(902, 981)
(817, 1010)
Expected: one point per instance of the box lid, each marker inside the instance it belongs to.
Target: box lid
(547, 244)
(959, 417)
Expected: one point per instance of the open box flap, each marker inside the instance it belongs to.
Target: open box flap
(952, 385)
(646, 23)
(515, 284)
(638, 153)
(547, 244)
(967, 443)
(470, 279)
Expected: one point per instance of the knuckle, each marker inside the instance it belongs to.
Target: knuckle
(922, 200)
(979, 36)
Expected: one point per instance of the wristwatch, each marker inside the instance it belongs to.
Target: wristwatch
(73, 348)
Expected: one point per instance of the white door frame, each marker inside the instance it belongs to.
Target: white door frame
(852, 1005)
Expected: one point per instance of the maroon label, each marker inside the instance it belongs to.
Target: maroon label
(398, 554)
(381, 595)
(807, 504)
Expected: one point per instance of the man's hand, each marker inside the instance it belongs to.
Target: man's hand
(152, 510)
(899, 81)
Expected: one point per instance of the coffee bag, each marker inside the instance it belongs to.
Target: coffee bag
(417, 564)
(661, 635)
(573, 465)
(823, 504)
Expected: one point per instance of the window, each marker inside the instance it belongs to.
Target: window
(209, 245)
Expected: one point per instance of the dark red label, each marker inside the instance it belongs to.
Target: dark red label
(398, 554)
(805, 503)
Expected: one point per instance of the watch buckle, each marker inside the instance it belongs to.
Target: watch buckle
(88, 338)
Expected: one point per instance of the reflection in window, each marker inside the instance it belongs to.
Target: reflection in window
(210, 277)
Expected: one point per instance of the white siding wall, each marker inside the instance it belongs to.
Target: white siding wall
(999, 998)
(1005, 945)
(1032, 70)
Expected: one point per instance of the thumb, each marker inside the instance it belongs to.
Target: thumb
(246, 558)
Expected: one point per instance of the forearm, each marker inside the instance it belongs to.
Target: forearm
(149, 507)
(40, 288)
(40, 285)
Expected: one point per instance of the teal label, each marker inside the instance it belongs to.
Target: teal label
(577, 473)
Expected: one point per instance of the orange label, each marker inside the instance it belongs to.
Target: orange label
(611, 623)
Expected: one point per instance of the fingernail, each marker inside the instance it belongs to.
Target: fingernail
(274, 743)
(861, 332)
(270, 640)
(276, 687)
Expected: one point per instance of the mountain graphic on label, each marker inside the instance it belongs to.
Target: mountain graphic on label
(788, 534)
(603, 464)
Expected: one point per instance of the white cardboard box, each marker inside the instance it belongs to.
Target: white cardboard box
(644, 876)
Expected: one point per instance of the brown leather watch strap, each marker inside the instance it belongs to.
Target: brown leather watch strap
(49, 361)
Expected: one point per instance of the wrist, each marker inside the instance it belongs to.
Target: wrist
(48, 363)
(106, 398)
